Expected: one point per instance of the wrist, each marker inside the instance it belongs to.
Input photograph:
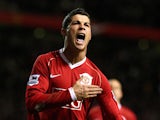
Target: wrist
(72, 93)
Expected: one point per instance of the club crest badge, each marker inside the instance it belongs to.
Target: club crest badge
(87, 79)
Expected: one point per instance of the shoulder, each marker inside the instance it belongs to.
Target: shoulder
(45, 58)
(97, 72)
(92, 64)
(48, 55)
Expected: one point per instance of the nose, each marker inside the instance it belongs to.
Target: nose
(82, 27)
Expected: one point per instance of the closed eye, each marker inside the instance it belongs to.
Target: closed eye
(87, 24)
(75, 22)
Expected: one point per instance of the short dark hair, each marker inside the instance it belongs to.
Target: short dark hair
(68, 17)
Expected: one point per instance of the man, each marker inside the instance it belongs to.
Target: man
(124, 110)
(96, 113)
(63, 83)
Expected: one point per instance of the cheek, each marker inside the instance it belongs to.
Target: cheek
(117, 93)
(72, 32)
(89, 35)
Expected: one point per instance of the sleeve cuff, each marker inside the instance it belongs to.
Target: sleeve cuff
(123, 117)
(72, 93)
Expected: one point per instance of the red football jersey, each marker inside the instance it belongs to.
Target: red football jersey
(128, 113)
(47, 93)
(96, 113)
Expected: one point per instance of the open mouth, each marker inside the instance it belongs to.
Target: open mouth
(80, 37)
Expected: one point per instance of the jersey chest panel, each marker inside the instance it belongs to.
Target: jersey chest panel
(63, 77)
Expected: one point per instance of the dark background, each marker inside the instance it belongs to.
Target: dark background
(128, 48)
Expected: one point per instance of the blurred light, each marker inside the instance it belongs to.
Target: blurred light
(143, 44)
(39, 33)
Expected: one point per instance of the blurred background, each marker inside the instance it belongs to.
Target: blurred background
(125, 45)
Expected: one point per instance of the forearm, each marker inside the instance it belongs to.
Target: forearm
(39, 101)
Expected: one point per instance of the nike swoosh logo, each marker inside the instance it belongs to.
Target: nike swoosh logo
(56, 75)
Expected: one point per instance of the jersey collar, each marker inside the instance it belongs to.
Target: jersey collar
(68, 62)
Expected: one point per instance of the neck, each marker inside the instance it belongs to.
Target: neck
(74, 56)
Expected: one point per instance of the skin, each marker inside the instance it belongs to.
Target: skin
(117, 89)
(75, 50)
(118, 92)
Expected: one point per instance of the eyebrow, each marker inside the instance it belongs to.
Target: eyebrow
(80, 21)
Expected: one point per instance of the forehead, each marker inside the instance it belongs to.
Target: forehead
(81, 18)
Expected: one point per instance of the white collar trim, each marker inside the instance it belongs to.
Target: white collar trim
(68, 62)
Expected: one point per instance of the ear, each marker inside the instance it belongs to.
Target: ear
(63, 32)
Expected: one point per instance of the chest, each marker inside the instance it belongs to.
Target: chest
(62, 76)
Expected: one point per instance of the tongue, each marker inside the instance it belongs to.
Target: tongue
(80, 40)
